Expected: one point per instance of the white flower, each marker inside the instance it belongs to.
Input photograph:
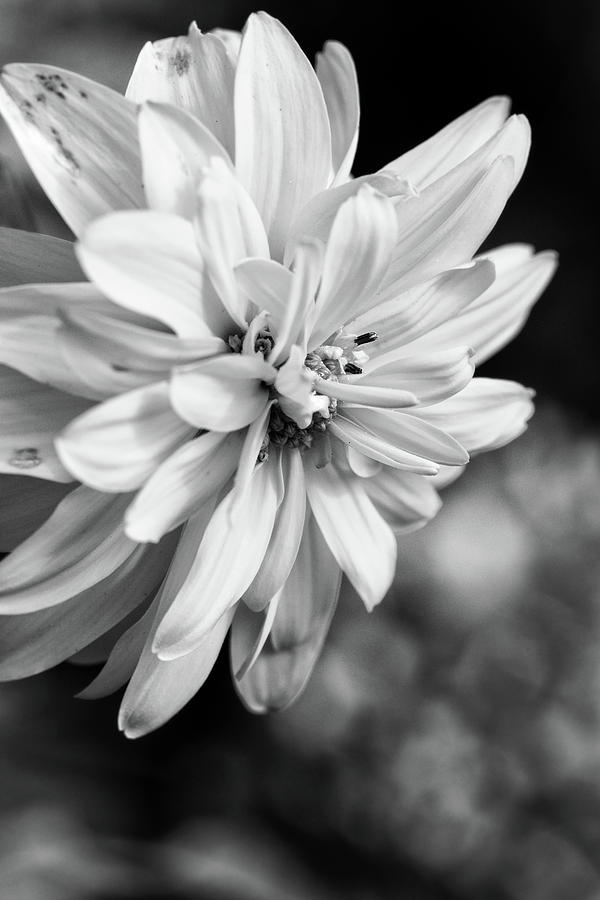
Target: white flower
(272, 356)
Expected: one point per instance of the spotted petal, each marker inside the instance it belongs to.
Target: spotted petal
(79, 137)
(194, 72)
(31, 415)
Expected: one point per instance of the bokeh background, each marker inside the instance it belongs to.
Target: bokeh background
(448, 745)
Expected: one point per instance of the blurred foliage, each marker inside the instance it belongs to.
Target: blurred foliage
(447, 745)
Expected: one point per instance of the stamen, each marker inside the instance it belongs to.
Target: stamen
(352, 369)
(367, 338)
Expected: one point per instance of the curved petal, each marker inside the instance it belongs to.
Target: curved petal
(182, 484)
(357, 255)
(157, 690)
(174, 147)
(366, 394)
(116, 445)
(405, 501)
(305, 608)
(267, 284)
(337, 74)
(282, 134)
(316, 218)
(445, 224)
(449, 147)
(231, 552)
(411, 433)
(222, 394)
(25, 503)
(385, 448)
(123, 657)
(488, 413)
(359, 539)
(285, 539)
(300, 303)
(148, 262)
(29, 258)
(79, 137)
(36, 641)
(422, 308)
(31, 415)
(228, 229)
(78, 546)
(431, 376)
(126, 345)
(194, 72)
(494, 317)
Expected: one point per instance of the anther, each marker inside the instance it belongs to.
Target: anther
(367, 338)
(352, 369)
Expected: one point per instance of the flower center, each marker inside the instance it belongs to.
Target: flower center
(329, 362)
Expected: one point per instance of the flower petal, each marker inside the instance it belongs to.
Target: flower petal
(305, 608)
(366, 394)
(229, 557)
(126, 345)
(494, 317)
(384, 448)
(119, 443)
(249, 635)
(285, 539)
(430, 376)
(25, 503)
(175, 146)
(158, 689)
(359, 539)
(300, 303)
(36, 641)
(411, 433)
(423, 307)
(79, 137)
(406, 501)
(193, 72)
(488, 413)
(337, 74)
(79, 545)
(148, 262)
(316, 218)
(182, 484)
(31, 415)
(449, 147)
(224, 393)
(123, 657)
(228, 229)
(267, 284)
(446, 223)
(29, 258)
(282, 134)
(357, 255)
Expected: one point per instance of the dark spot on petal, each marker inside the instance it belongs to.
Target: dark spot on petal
(25, 458)
(83, 94)
(65, 154)
(181, 61)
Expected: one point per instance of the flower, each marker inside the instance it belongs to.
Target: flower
(266, 375)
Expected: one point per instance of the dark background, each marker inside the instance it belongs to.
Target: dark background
(448, 745)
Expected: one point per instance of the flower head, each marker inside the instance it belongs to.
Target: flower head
(268, 373)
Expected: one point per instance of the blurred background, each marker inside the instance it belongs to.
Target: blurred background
(448, 745)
